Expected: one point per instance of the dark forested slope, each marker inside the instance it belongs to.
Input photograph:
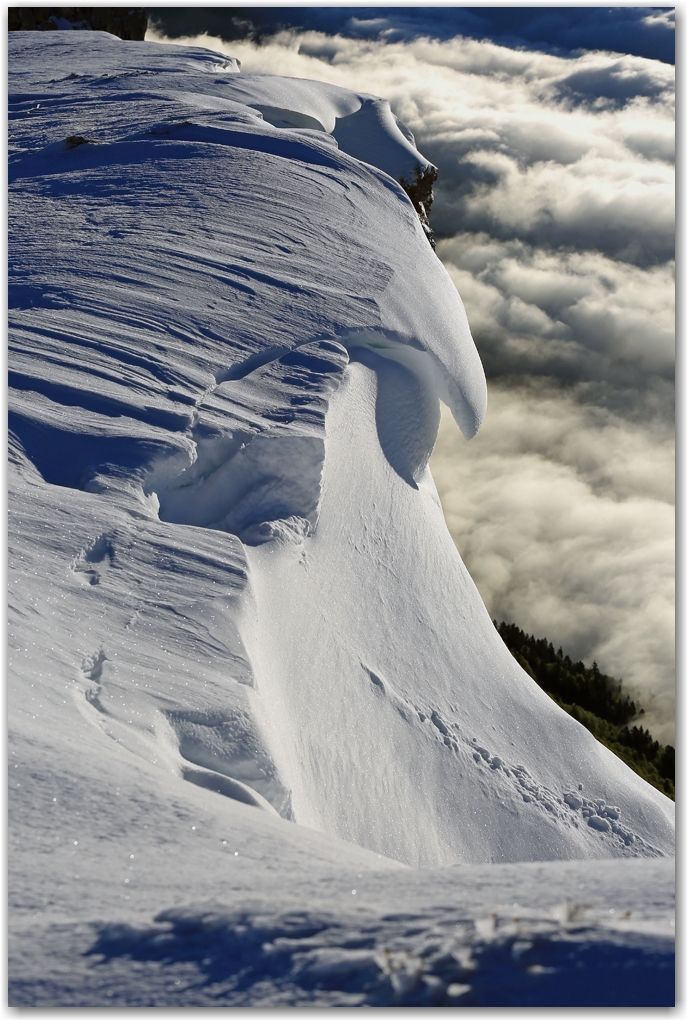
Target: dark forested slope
(598, 702)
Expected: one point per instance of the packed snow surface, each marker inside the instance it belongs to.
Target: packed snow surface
(234, 604)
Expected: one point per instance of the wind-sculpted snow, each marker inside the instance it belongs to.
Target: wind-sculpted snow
(248, 482)
(234, 601)
(552, 935)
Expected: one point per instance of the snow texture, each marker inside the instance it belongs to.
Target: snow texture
(234, 603)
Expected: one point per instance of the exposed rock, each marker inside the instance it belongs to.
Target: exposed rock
(126, 22)
(74, 140)
(420, 193)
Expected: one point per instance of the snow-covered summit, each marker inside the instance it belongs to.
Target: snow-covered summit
(232, 588)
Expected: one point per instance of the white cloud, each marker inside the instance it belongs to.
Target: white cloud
(574, 315)
(664, 18)
(621, 208)
(563, 515)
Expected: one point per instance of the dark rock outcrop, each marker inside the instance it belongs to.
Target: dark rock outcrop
(420, 193)
(126, 22)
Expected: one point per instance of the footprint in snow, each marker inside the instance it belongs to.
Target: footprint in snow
(90, 563)
(93, 667)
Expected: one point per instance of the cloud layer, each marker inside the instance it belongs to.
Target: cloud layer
(563, 514)
(555, 217)
(577, 316)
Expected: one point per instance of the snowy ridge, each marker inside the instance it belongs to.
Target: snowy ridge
(232, 587)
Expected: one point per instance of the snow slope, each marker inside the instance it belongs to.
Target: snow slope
(232, 593)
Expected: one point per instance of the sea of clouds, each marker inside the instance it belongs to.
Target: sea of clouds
(554, 214)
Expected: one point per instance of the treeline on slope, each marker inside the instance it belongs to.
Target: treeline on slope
(597, 701)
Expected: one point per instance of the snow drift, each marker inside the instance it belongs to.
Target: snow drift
(232, 589)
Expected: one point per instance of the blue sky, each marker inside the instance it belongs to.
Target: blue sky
(640, 31)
